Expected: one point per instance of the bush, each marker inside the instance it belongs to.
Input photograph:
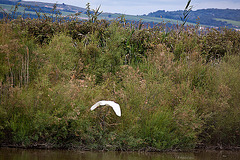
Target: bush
(175, 89)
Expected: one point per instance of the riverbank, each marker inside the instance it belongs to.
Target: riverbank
(176, 88)
(198, 148)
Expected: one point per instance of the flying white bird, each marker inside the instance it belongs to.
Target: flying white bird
(114, 105)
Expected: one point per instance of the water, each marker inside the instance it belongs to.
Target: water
(29, 154)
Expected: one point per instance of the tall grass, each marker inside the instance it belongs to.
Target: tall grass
(176, 90)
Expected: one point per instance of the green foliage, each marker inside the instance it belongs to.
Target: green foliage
(92, 15)
(20, 127)
(159, 130)
(175, 90)
(222, 126)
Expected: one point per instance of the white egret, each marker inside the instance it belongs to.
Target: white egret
(115, 106)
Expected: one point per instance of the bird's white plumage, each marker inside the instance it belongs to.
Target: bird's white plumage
(115, 106)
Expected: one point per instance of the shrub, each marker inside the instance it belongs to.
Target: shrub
(175, 89)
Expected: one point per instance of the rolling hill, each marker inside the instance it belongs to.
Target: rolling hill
(208, 17)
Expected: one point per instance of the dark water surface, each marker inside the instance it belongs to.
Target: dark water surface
(30, 154)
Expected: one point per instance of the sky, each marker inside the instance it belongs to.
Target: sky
(140, 7)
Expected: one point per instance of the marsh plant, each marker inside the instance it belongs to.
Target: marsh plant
(175, 90)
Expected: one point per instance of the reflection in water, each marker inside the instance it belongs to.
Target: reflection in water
(23, 154)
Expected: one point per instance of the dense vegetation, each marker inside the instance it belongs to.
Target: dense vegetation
(204, 16)
(176, 89)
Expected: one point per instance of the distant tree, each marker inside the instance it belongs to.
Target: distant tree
(205, 16)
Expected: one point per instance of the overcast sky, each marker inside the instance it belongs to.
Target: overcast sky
(139, 7)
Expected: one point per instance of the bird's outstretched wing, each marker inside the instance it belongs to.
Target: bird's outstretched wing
(95, 105)
(115, 106)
